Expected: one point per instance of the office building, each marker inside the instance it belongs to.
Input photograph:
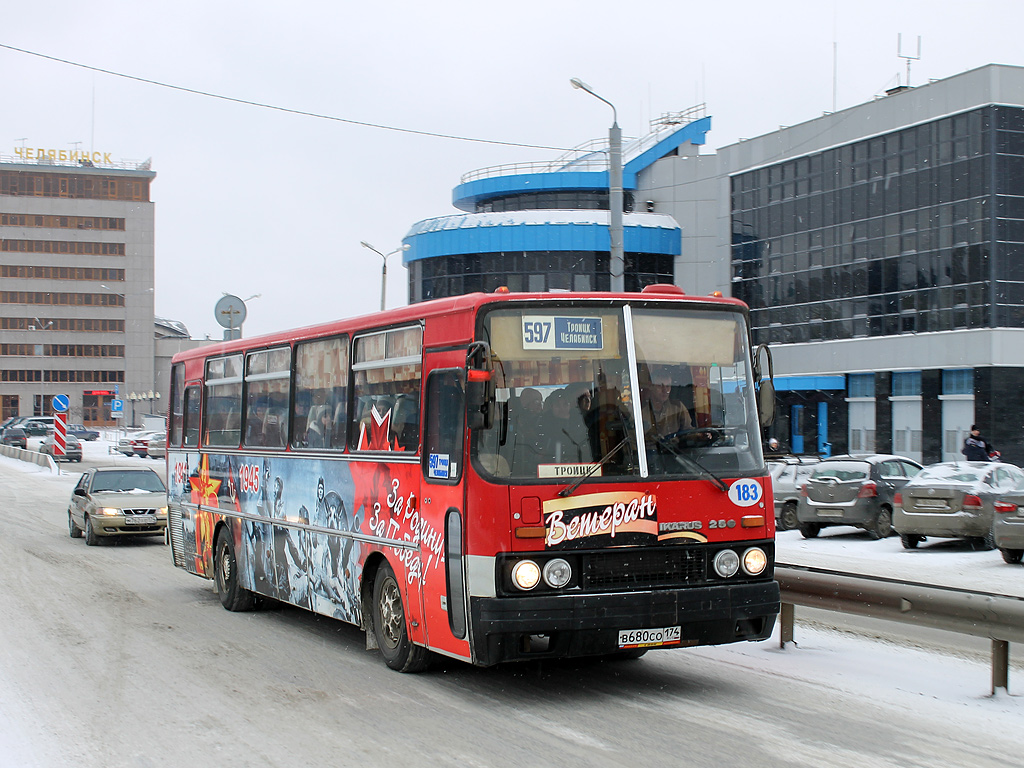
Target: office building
(76, 282)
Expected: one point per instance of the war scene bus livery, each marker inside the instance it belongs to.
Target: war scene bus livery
(491, 477)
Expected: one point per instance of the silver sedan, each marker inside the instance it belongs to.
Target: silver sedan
(954, 500)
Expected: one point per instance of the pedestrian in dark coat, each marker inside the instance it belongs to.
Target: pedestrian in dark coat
(976, 447)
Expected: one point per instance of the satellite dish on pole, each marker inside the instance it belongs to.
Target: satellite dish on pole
(230, 314)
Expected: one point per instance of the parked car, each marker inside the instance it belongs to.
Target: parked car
(82, 432)
(114, 501)
(35, 426)
(156, 448)
(954, 500)
(72, 448)
(13, 421)
(14, 436)
(140, 444)
(1008, 525)
(788, 474)
(853, 490)
(134, 444)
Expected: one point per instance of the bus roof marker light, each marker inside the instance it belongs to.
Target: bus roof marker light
(663, 288)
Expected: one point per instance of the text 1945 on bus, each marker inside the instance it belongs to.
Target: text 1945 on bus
(492, 477)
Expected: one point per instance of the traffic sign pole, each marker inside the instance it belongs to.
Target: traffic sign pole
(60, 424)
(60, 433)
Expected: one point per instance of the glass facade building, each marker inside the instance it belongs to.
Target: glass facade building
(533, 271)
(916, 230)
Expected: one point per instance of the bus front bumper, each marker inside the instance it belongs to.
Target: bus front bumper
(572, 625)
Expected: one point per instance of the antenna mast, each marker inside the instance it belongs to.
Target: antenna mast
(907, 56)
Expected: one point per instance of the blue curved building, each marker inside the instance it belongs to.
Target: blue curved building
(544, 227)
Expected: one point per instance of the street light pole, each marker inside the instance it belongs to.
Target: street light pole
(384, 268)
(617, 267)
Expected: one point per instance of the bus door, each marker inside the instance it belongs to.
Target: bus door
(442, 508)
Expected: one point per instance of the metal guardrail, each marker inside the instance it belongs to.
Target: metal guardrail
(981, 614)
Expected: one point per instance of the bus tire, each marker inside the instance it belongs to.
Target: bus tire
(233, 596)
(389, 628)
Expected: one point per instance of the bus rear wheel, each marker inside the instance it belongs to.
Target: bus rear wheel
(233, 595)
(389, 627)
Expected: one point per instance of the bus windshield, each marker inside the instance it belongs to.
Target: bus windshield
(627, 391)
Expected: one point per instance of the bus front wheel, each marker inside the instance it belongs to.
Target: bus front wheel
(389, 625)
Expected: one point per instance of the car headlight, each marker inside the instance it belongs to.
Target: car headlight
(557, 573)
(162, 512)
(754, 561)
(726, 563)
(526, 575)
(108, 511)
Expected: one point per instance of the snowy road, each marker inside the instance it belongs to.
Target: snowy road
(109, 656)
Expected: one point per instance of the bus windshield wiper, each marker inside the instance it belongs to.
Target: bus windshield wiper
(568, 490)
(694, 464)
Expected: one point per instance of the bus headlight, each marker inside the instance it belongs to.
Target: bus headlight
(726, 563)
(526, 575)
(557, 573)
(754, 561)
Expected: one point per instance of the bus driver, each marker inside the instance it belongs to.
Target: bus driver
(662, 416)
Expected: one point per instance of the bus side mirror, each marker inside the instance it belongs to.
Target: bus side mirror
(766, 402)
(479, 387)
(765, 386)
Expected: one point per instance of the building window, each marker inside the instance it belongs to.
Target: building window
(861, 385)
(958, 382)
(906, 384)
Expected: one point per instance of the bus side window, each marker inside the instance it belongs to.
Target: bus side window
(386, 386)
(321, 394)
(445, 426)
(177, 403)
(191, 416)
(222, 413)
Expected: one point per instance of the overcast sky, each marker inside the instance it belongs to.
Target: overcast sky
(257, 201)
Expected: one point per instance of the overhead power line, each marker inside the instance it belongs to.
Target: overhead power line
(262, 105)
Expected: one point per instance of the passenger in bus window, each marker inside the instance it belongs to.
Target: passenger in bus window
(318, 434)
(662, 416)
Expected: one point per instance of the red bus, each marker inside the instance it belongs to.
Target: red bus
(491, 477)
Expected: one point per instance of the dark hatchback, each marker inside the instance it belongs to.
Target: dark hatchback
(855, 490)
(14, 436)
